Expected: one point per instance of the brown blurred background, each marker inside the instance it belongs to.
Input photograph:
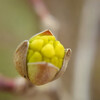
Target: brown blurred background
(78, 28)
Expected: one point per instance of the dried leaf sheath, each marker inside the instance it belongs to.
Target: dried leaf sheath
(20, 58)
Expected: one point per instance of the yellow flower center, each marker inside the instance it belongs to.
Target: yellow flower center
(45, 48)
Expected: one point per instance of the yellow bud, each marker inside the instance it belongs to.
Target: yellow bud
(54, 61)
(48, 51)
(45, 39)
(36, 37)
(51, 42)
(30, 53)
(59, 50)
(46, 59)
(51, 38)
(37, 44)
(36, 57)
(60, 63)
(56, 42)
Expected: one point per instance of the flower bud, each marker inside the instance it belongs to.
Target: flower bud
(42, 58)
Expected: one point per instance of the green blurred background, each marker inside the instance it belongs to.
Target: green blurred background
(17, 23)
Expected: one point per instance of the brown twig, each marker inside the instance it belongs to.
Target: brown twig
(40, 8)
(17, 85)
(6, 84)
(48, 21)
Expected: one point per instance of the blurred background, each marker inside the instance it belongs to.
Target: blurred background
(76, 23)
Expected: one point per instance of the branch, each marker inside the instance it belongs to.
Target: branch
(24, 88)
(17, 86)
(6, 84)
(48, 21)
(40, 8)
